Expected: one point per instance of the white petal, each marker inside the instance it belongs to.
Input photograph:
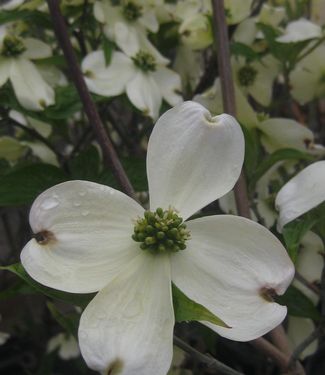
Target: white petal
(144, 94)
(4, 70)
(300, 30)
(236, 10)
(31, 90)
(229, 260)
(302, 193)
(149, 20)
(169, 84)
(91, 226)
(107, 80)
(280, 133)
(129, 324)
(193, 158)
(36, 49)
(246, 31)
(127, 38)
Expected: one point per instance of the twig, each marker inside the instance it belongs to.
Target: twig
(228, 92)
(240, 190)
(304, 344)
(109, 153)
(208, 361)
(307, 284)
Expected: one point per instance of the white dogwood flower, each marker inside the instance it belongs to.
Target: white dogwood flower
(90, 237)
(126, 24)
(143, 76)
(16, 56)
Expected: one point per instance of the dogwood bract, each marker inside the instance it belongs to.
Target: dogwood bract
(90, 237)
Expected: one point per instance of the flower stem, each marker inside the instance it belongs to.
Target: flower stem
(208, 361)
(109, 153)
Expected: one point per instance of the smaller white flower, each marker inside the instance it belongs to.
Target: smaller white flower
(256, 78)
(67, 346)
(126, 24)
(145, 79)
(16, 54)
(302, 193)
(299, 31)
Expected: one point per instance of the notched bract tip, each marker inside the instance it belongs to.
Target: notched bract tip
(44, 237)
(269, 294)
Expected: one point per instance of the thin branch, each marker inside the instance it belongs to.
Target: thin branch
(228, 94)
(34, 134)
(305, 343)
(228, 91)
(208, 361)
(314, 288)
(109, 153)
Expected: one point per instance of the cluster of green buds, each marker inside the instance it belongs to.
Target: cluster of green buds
(131, 11)
(12, 46)
(161, 231)
(145, 61)
(246, 75)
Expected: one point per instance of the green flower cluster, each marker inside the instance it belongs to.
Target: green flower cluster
(161, 231)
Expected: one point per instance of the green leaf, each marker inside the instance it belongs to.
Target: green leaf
(68, 322)
(20, 287)
(136, 171)
(241, 49)
(41, 19)
(252, 150)
(298, 304)
(67, 102)
(186, 310)
(293, 233)
(86, 165)
(279, 155)
(285, 52)
(22, 185)
(81, 300)
(108, 48)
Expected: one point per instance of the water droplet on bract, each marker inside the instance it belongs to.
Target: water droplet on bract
(112, 192)
(49, 203)
(102, 188)
(85, 213)
(77, 204)
(82, 193)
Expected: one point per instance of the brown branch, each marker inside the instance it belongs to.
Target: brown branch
(228, 92)
(109, 153)
(314, 288)
(208, 361)
(228, 95)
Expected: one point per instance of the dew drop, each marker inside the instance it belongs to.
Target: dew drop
(82, 193)
(77, 204)
(49, 203)
(85, 213)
